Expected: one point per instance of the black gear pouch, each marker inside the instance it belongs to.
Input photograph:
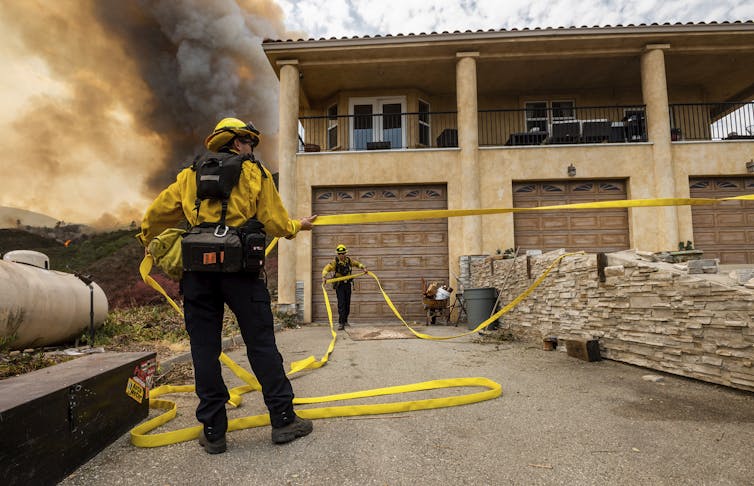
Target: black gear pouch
(212, 248)
(254, 241)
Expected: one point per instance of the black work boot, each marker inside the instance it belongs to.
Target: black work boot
(341, 327)
(216, 446)
(298, 428)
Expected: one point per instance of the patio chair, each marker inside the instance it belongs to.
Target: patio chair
(566, 132)
(595, 131)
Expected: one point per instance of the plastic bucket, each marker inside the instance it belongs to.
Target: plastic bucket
(479, 304)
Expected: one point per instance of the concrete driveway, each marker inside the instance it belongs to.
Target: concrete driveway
(558, 421)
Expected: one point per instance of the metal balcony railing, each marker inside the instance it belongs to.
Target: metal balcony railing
(563, 125)
(382, 131)
(712, 121)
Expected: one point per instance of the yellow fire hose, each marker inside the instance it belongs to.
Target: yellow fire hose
(140, 436)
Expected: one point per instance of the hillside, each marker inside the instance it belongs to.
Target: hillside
(15, 217)
(112, 259)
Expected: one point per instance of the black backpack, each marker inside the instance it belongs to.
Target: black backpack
(214, 246)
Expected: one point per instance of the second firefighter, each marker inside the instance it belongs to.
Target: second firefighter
(341, 267)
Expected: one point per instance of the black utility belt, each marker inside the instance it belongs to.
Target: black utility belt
(220, 248)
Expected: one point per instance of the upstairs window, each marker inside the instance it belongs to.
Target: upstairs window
(377, 123)
(541, 114)
(536, 116)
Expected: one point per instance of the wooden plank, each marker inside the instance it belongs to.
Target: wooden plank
(584, 349)
(55, 419)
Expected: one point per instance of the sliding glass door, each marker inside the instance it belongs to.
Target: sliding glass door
(377, 123)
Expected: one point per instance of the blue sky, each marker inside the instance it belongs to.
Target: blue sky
(337, 18)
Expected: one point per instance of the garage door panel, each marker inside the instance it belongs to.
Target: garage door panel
(366, 308)
(554, 240)
(612, 240)
(391, 261)
(399, 253)
(731, 219)
(529, 241)
(553, 222)
(705, 239)
(584, 241)
(526, 222)
(724, 230)
(584, 222)
(618, 221)
(704, 219)
(437, 238)
(732, 257)
(587, 229)
(732, 237)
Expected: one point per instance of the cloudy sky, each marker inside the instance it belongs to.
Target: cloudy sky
(336, 18)
(103, 101)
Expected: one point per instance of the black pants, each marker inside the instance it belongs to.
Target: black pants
(205, 294)
(343, 291)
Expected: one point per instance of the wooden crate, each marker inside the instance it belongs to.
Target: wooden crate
(55, 419)
(585, 349)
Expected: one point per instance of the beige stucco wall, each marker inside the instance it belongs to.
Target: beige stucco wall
(499, 168)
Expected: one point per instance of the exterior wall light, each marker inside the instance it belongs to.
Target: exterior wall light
(750, 166)
(572, 170)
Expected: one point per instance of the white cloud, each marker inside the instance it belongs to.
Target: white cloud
(338, 18)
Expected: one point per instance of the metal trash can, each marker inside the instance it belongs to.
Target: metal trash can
(479, 304)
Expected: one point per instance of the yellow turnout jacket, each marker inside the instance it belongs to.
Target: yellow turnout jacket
(253, 195)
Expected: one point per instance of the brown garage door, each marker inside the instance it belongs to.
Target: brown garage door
(725, 230)
(599, 230)
(400, 254)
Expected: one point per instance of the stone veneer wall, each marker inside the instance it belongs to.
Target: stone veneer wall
(645, 313)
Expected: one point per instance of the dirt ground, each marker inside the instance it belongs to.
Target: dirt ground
(559, 421)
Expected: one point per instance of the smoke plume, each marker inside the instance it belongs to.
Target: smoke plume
(106, 100)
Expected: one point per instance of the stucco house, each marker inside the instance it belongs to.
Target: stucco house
(511, 118)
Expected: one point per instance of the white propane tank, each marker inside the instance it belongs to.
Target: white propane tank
(40, 307)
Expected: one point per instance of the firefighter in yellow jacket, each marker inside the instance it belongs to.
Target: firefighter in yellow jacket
(341, 267)
(206, 292)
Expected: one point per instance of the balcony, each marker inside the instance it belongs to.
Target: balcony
(524, 127)
(712, 121)
(383, 131)
(542, 125)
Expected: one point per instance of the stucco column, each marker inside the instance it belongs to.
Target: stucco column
(287, 145)
(654, 89)
(468, 142)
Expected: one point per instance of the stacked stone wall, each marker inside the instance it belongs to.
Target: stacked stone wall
(644, 313)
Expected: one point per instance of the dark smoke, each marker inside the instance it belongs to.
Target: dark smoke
(202, 61)
(145, 82)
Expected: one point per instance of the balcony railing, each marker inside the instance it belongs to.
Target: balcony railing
(712, 121)
(563, 125)
(378, 131)
(532, 126)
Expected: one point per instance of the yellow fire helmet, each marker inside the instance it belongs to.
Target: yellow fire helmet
(341, 249)
(226, 129)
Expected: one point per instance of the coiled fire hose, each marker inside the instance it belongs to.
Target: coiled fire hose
(141, 437)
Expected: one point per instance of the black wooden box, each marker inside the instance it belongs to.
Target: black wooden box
(55, 419)
(586, 349)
